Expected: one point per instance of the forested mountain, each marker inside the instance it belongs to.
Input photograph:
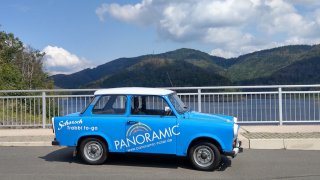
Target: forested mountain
(86, 76)
(295, 64)
(263, 64)
(162, 72)
(183, 67)
(21, 67)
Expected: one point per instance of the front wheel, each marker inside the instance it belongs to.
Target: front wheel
(204, 156)
(93, 151)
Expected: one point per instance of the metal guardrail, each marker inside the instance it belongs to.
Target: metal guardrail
(251, 104)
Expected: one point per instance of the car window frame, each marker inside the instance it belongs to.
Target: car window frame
(100, 96)
(87, 107)
(173, 114)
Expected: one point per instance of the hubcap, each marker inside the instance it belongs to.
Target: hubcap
(203, 156)
(93, 150)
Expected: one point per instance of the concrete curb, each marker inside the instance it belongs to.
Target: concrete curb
(245, 141)
(290, 144)
(19, 144)
(25, 132)
(302, 144)
(266, 144)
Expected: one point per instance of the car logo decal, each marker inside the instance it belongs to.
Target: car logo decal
(139, 127)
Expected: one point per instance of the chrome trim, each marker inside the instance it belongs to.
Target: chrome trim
(235, 130)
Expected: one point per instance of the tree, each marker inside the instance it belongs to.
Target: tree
(10, 46)
(10, 77)
(21, 67)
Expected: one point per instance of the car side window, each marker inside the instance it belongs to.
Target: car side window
(110, 104)
(149, 105)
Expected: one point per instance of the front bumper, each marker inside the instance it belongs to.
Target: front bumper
(236, 149)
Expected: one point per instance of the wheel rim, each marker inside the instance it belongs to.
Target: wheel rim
(93, 150)
(203, 156)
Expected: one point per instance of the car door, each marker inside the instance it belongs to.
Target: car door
(109, 116)
(151, 127)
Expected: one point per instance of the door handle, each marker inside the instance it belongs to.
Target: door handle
(132, 122)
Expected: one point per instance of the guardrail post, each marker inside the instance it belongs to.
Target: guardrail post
(44, 111)
(280, 105)
(199, 100)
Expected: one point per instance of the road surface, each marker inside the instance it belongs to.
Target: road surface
(38, 163)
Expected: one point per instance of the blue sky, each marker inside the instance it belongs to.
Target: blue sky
(76, 34)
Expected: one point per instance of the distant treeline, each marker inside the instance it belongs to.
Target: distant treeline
(294, 64)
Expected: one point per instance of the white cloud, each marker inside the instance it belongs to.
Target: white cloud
(309, 3)
(282, 17)
(222, 53)
(60, 61)
(226, 35)
(181, 20)
(230, 26)
(140, 13)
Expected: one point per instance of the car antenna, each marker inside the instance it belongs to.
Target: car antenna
(169, 79)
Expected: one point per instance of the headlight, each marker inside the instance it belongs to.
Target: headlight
(235, 130)
(52, 124)
(235, 119)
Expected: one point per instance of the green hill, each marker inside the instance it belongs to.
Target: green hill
(264, 63)
(86, 76)
(184, 67)
(301, 72)
(297, 64)
(162, 72)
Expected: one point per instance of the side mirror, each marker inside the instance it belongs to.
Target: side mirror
(167, 109)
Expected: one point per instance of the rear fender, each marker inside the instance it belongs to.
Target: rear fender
(107, 139)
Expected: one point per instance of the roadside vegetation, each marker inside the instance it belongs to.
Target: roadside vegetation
(21, 66)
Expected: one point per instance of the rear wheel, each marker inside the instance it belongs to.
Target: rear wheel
(204, 156)
(93, 151)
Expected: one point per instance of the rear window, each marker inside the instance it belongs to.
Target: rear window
(110, 104)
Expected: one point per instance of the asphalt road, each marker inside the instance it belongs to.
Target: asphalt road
(18, 163)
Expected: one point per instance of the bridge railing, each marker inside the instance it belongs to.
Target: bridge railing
(276, 104)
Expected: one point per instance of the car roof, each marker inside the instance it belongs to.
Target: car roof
(134, 91)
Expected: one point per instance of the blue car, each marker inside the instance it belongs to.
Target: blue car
(147, 120)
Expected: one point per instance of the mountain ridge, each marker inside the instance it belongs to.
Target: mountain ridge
(190, 67)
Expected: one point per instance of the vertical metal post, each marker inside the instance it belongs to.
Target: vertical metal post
(122, 102)
(44, 112)
(280, 105)
(199, 100)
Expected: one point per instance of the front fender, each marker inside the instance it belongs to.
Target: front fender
(186, 144)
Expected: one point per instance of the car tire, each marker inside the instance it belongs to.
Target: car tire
(93, 151)
(204, 156)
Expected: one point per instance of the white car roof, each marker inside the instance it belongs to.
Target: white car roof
(134, 91)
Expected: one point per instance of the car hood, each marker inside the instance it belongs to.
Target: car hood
(209, 117)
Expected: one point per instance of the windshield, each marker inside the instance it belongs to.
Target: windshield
(178, 104)
(92, 101)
